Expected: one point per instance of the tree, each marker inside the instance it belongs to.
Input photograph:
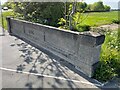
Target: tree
(81, 6)
(88, 8)
(107, 8)
(74, 13)
(97, 6)
(7, 4)
(40, 12)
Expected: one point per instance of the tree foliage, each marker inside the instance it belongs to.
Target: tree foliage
(40, 12)
(98, 6)
(81, 6)
(65, 14)
(107, 8)
(7, 4)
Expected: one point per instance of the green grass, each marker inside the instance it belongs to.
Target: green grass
(5, 14)
(109, 65)
(99, 18)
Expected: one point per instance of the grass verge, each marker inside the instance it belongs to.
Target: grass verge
(109, 65)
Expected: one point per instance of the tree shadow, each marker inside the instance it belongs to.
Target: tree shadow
(43, 56)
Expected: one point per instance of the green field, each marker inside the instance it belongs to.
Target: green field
(99, 18)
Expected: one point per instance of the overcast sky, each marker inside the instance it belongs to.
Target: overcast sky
(112, 3)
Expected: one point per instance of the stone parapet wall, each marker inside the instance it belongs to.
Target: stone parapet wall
(80, 49)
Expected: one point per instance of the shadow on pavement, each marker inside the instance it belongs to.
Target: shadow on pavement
(45, 63)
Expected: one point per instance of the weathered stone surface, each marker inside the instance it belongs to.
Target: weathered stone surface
(80, 49)
(91, 38)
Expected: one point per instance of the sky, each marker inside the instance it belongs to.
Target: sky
(112, 3)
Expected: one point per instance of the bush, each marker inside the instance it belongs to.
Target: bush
(82, 28)
(116, 21)
(46, 13)
(106, 8)
(103, 72)
(109, 65)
